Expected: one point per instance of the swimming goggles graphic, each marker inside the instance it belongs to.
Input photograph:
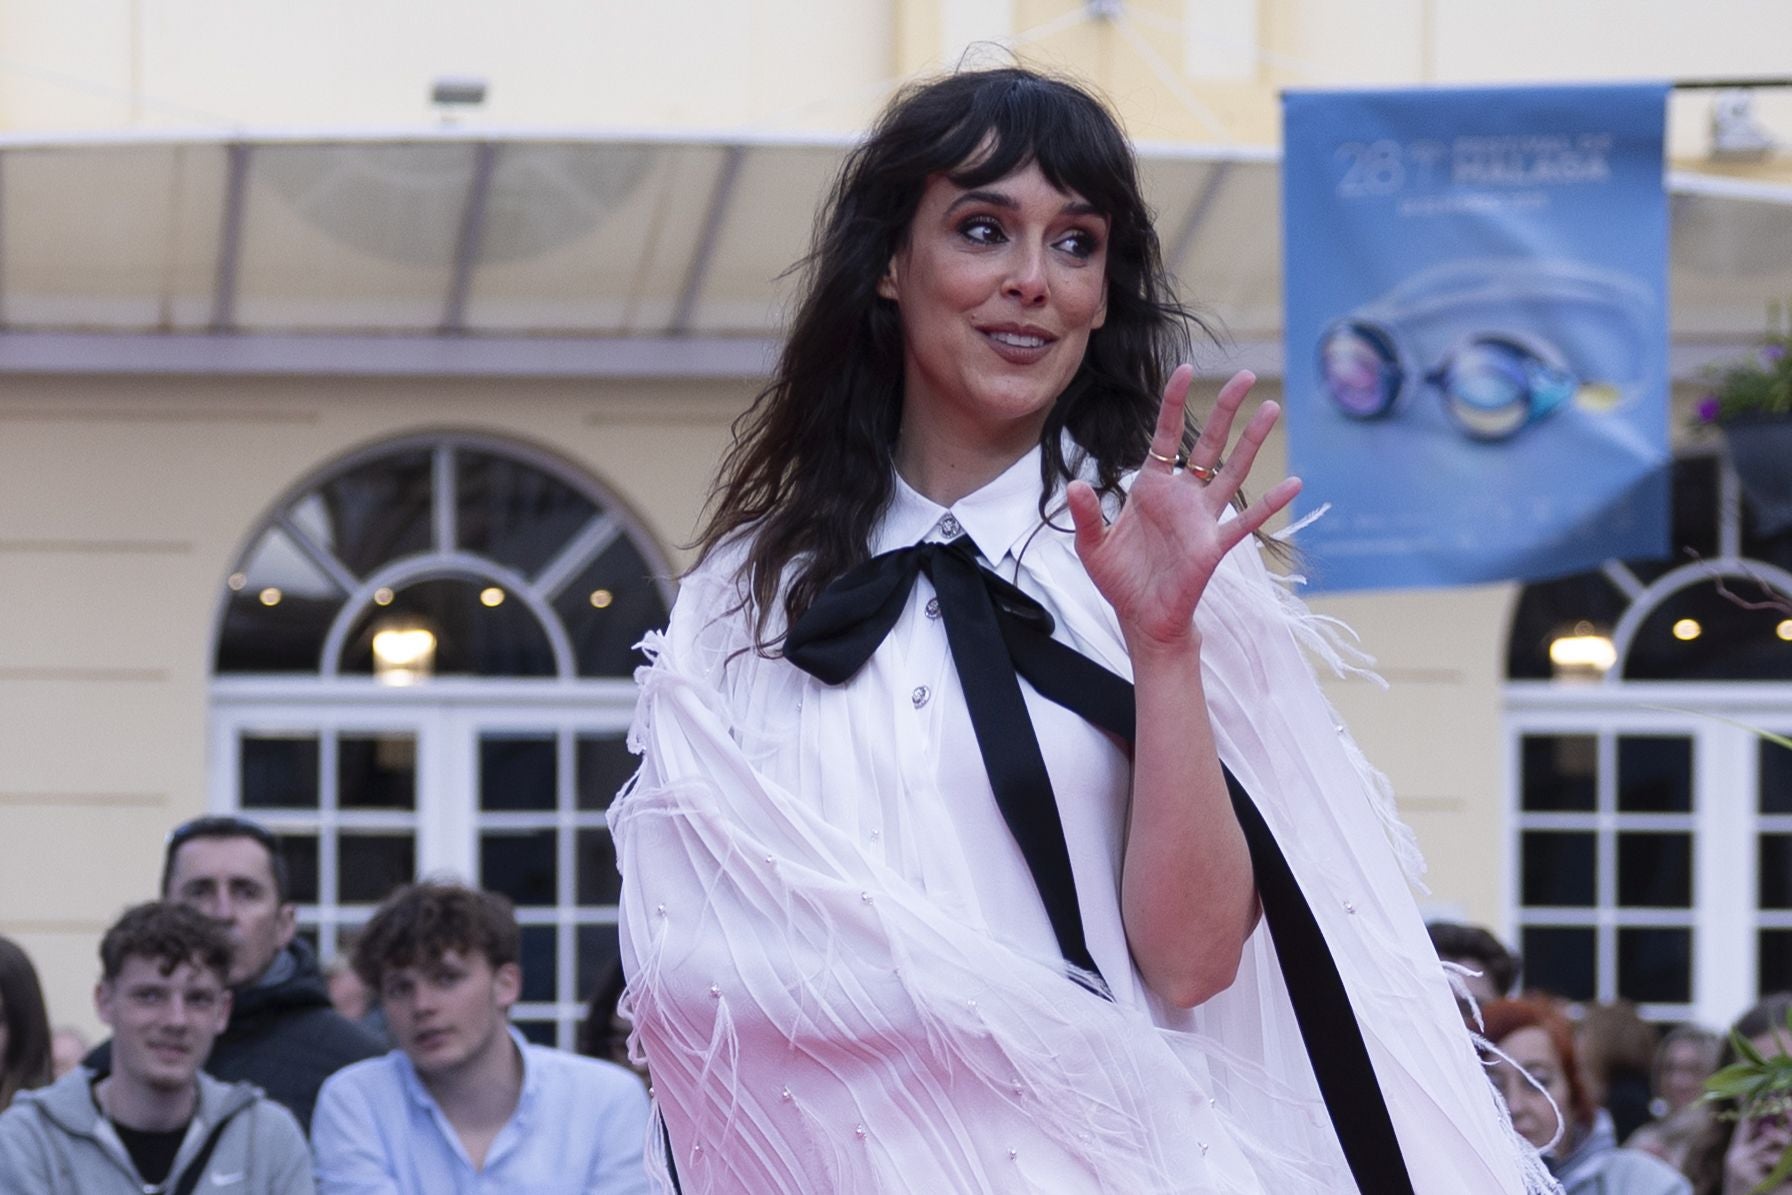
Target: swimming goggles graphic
(1499, 334)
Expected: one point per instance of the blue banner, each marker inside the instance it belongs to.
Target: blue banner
(1476, 321)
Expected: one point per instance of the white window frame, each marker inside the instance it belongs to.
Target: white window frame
(1726, 828)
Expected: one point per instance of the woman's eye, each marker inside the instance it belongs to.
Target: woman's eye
(982, 230)
(1078, 244)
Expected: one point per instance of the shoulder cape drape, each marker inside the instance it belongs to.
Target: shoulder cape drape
(816, 1022)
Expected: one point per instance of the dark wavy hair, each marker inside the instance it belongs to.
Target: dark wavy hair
(813, 460)
(419, 923)
(26, 1062)
(167, 935)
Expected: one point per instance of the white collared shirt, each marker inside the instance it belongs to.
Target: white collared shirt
(937, 749)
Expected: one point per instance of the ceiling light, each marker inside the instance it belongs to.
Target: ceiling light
(403, 655)
(1688, 629)
(491, 596)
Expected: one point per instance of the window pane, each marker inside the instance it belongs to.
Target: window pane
(1654, 774)
(1560, 960)
(279, 772)
(376, 771)
(600, 959)
(1655, 965)
(1558, 867)
(1776, 871)
(1776, 778)
(379, 511)
(1547, 609)
(1559, 772)
(599, 883)
(1698, 633)
(520, 864)
(514, 513)
(280, 609)
(604, 766)
(370, 866)
(1655, 870)
(1775, 962)
(517, 772)
(541, 954)
(471, 637)
(542, 1033)
(300, 853)
(607, 608)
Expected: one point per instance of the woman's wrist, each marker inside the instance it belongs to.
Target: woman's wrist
(1146, 650)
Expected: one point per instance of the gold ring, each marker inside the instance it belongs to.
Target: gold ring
(1158, 456)
(1204, 473)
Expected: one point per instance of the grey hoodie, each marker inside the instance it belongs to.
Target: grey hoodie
(54, 1141)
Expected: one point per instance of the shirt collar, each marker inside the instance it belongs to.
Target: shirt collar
(413, 1082)
(996, 517)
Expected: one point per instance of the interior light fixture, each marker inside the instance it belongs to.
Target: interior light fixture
(1688, 629)
(1784, 630)
(271, 596)
(382, 596)
(236, 581)
(1583, 651)
(491, 596)
(601, 598)
(403, 655)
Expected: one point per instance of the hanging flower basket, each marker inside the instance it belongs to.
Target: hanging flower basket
(1751, 401)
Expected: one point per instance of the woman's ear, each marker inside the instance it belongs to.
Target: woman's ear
(886, 285)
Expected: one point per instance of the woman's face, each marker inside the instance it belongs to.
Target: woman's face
(998, 287)
(1685, 1065)
(1532, 1053)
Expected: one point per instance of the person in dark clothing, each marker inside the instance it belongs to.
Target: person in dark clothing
(283, 1035)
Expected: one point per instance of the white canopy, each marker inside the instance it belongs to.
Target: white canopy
(611, 254)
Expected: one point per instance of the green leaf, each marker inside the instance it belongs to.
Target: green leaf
(1746, 1048)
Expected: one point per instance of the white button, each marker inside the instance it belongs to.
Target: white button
(949, 527)
(933, 607)
(920, 695)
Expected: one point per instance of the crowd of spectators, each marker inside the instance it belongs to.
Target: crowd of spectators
(397, 1071)
(229, 1068)
(1616, 1105)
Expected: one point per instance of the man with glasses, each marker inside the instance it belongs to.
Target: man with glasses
(152, 1122)
(283, 1034)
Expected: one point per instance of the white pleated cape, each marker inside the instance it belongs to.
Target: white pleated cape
(816, 1022)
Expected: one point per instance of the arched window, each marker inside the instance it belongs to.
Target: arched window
(423, 665)
(1652, 827)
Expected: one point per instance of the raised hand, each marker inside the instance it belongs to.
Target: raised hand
(1154, 561)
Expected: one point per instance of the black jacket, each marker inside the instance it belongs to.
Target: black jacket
(283, 1037)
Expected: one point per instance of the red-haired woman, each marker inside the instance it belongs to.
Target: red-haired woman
(1541, 1081)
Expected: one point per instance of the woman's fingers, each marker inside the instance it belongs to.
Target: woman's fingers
(1086, 516)
(1166, 439)
(1210, 447)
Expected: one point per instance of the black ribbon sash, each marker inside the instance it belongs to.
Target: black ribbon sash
(998, 634)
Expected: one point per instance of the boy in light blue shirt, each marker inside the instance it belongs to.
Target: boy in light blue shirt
(465, 1105)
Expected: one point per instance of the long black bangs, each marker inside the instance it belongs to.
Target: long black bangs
(1076, 145)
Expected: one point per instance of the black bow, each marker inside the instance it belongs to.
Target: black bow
(834, 638)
